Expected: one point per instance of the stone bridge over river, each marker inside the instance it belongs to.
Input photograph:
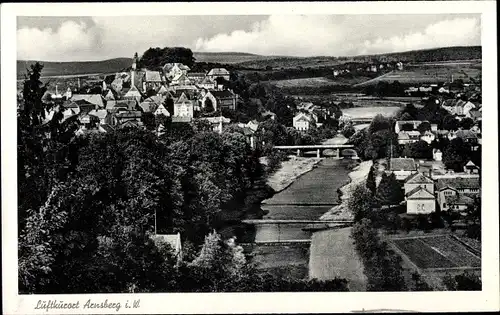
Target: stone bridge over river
(347, 149)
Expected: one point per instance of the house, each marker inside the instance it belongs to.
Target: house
(153, 80)
(196, 77)
(303, 121)
(219, 100)
(399, 66)
(402, 167)
(467, 107)
(161, 110)
(450, 198)
(173, 240)
(219, 73)
(217, 122)
(475, 114)
(442, 90)
(420, 201)
(207, 83)
(133, 94)
(101, 114)
(171, 70)
(183, 107)
(95, 99)
(462, 184)
(437, 155)
(407, 125)
(163, 91)
(471, 168)
(467, 136)
(476, 129)
(335, 73)
(84, 106)
(418, 180)
(427, 137)
(181, 79)
(405, 137)
(124, 119)
(113, 106)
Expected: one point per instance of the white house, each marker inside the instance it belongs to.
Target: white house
(183, 107)
(303, 121)
(420, 201)
(219, 73)
(427, 137)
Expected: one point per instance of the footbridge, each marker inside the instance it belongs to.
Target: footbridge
(319, 148)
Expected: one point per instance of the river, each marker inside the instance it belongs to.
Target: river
(307, 198)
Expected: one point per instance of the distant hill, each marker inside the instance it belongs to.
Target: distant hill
(228, 57)
(256, 61)
(425, 55)
(75, 67)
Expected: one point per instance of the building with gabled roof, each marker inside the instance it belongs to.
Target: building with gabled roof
(420, 201)
(303, 121)
(134, 94)
(183, 107)
(126, 104)
(206, 83)
(170, 70)
(219, 100)
(418, 180)
(402, 167)
(95, 99)
(219, 73)
(109, 95)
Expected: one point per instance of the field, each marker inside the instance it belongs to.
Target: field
(290, 260)
(316, 82)
(229, 57)
(370, 112)
(333, 255)
(73, 68)
(439, 251)
(430, 73)
(436, 256)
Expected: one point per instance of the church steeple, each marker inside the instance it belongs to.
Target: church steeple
(134, 62)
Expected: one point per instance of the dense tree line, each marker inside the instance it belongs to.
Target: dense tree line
(155, 58)
(377, 141)
(382, 266)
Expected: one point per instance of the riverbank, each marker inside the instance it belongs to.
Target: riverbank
(341, 212)
(290, 170)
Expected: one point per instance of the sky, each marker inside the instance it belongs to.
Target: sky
(100, 37)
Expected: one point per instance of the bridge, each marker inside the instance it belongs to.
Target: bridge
(318, 147)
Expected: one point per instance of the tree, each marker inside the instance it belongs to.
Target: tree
(360, 204)
(466, 123)
(389, 191)
(450, 123)
(370, 181)
(348, 130)
(379, 123)
(418, 150)
(209, 107)
(462, 282)
(456, 154)
(424, 126)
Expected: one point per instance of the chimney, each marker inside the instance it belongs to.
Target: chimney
(132, 78)
(56, 89)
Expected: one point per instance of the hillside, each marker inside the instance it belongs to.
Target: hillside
(228, 57)
(77, 67)
(247, 60)
(426, 55)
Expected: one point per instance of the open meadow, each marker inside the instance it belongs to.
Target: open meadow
(430, 73)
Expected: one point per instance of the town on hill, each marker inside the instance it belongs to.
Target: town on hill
(175, 171)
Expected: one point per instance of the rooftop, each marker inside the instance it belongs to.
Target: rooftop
(459, 183)
(402, 164)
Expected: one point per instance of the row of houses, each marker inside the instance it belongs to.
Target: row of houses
(430, 192)
(408, 132)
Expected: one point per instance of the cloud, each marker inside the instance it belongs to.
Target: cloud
(344, 35)
(98, 38)
(71, 41)
(455, 32)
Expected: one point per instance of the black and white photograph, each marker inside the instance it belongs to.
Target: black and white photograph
(194, 151)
